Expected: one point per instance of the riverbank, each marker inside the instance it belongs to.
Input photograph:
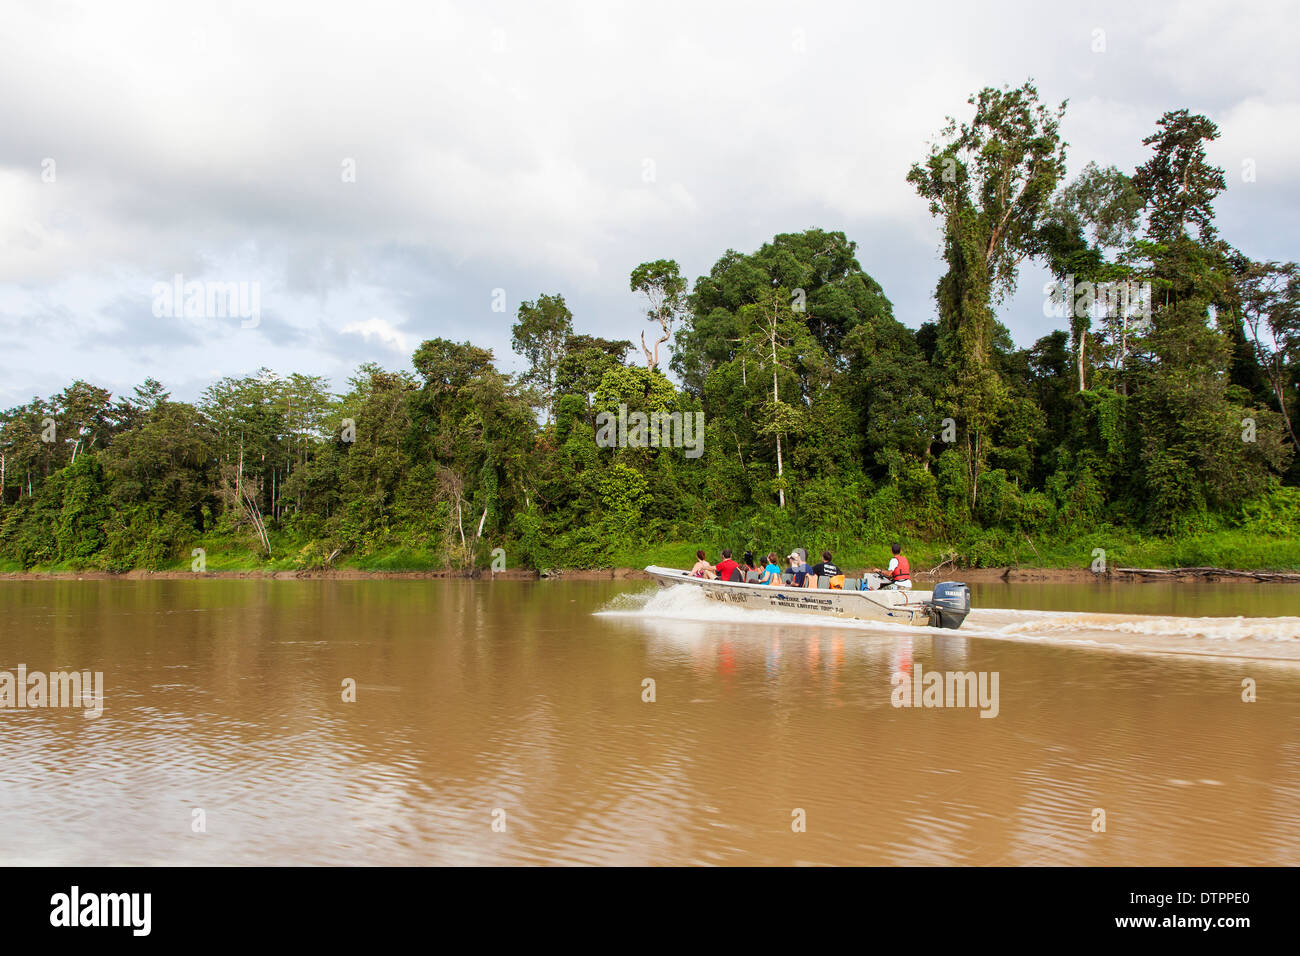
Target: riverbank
(969, 575)
(1227, 552)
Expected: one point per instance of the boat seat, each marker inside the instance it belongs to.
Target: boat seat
(786, 577)
(823, 582)
(850, 584)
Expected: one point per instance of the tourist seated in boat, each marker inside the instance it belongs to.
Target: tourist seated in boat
(729, 570)
(703, 568)
(751, 568)
(799, 569)
(825, 569)
(899, 572)
(772, 571)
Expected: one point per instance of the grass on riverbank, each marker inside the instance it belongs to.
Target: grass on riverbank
(1231, 548)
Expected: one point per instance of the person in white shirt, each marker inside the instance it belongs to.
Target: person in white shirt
(899, 572)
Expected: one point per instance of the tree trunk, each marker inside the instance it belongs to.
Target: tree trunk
(780, 492)
(1123, 352)
(1083, 342)
(776, 401)
(1277, 380)
(1276, 375)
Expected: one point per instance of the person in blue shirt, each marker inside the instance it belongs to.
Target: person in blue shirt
(771, 573)
(798, 569)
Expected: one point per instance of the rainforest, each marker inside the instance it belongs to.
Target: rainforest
(1153, 428)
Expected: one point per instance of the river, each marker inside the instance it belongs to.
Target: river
(604, 722)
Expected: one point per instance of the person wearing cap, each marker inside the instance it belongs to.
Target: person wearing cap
(798, 569)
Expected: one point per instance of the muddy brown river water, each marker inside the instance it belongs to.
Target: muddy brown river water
(512, 722)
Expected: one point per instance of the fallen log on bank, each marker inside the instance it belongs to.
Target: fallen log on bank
(1208, 573)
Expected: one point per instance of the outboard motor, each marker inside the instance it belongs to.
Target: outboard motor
(950, 604)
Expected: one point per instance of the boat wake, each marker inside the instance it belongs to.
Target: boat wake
(1252, 638)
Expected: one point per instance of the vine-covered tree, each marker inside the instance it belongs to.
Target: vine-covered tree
(990, 179)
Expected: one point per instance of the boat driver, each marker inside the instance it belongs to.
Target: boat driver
(899, 572)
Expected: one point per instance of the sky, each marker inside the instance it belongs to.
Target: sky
(373, 175)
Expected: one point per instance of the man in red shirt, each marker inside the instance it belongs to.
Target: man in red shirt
(726, 565)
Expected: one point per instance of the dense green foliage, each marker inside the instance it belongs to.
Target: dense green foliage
(1158, 426)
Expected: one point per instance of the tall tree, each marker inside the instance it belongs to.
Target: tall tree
(829, 290)
(540, 334)
(1188, 414)
(990, 179)
(1177, 184)
(1270, 299)
(665, 290)
(775, 340)
(1103, 206)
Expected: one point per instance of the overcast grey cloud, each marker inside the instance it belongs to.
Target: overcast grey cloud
(538, 148)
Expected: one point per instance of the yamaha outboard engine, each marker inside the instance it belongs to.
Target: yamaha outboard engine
(950, 604)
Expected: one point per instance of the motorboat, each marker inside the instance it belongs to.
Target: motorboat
(862, 599)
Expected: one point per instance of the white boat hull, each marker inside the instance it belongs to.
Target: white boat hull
(916, 608)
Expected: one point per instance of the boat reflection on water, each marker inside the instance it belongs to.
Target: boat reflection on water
(790, 654)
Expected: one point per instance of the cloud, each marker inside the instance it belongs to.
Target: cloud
(381, 331)
(539, 150)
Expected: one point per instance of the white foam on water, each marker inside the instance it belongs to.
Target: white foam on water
(1260, 638)
(1252, 638)
(1232, 629)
